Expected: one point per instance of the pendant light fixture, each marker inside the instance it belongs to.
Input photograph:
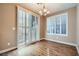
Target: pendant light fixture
(43, 11)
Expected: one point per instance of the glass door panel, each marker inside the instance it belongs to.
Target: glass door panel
(37, 28)
(20, 27)
(27, 28)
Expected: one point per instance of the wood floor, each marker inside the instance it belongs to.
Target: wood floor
(44, 48)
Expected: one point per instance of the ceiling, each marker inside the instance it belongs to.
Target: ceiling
(52, 7)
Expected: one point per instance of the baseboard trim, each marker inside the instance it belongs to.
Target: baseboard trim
(77, 49)
(6, 50)
(61, 42)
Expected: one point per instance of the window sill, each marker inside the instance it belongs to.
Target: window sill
(56, 34)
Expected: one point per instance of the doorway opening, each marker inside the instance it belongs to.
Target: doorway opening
(27, 27)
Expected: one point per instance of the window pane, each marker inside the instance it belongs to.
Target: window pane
(33, 21)
(58, 25)
(53, 25)
(63, 24)
(27, 20)
(23, 14)
(36, 20)
(48, 25)
(19, 17)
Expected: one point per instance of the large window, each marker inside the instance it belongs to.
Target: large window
(57, 25)
(27, 27)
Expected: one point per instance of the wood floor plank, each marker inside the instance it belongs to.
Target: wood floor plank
(44, 48)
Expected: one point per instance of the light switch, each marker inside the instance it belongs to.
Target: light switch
(8, 44)
(13, 28)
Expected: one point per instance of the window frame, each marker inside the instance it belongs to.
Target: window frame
(66, 13)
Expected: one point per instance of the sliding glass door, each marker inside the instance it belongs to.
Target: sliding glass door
(27, 27)
(21, 27)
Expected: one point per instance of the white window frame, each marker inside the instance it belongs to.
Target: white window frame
(60, 25)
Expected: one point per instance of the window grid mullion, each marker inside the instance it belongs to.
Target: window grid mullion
(60, 24)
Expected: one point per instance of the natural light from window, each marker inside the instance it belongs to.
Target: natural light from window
(57, 24)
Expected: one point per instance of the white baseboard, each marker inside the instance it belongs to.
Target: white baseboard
(43, 38)
(77, 47)
(61, 42)
(2, 51)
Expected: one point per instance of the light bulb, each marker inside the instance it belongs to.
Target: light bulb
(48, 12)
(40, 12)
(45, 10)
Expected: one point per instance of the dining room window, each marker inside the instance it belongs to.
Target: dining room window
(57, 24)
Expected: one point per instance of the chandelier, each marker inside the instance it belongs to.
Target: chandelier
(44, 11)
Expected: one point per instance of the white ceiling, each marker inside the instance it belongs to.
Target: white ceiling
(52, 7)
